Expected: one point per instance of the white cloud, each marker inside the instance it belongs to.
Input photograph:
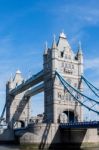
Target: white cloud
(92, 63)
(85, 14)
(91, 68)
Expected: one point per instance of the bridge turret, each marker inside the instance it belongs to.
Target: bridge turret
(63, 44)
(46, 49)
(54, 56)
(10, 83)
(80, 53)
(45, 57)
(80, 59)
(54, 46)
(18, 78)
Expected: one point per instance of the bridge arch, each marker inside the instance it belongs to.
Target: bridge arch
(20, 124)
(69, 116)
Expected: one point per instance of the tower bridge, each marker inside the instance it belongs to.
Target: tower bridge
(61, 80)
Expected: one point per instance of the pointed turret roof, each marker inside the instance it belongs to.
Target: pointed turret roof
(62, 35)
(46, 48)
(63, 42)
(18, 77)
(11, 79)
(54, 42)
(18, 72)
(79, 48)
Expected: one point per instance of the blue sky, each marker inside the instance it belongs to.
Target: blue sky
(26, 25)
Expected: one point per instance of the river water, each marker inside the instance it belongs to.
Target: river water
(8, 147)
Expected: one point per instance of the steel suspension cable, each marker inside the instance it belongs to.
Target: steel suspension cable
(75, 98)
(90, 86)
(89, 83)
(76, 89)
(2, 114)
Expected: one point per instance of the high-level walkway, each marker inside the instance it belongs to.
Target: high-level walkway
(35, 79)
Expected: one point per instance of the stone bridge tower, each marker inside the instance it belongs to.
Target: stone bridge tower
(57, 101)
(17, 107)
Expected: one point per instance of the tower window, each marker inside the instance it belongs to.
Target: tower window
(62, 54)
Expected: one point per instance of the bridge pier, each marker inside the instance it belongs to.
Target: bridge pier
(50, 136)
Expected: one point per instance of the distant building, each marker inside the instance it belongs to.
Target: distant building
(37, 119)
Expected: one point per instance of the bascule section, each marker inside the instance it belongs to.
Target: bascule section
(60, 105)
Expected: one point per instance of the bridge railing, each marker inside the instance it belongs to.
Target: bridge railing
(90, 124)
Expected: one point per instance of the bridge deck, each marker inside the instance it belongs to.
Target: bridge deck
(90, 124)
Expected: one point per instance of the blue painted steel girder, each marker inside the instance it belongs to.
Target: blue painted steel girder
(35, 79)
(90, 124)
(35, 90)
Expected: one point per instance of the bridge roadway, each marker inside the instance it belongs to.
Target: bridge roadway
(35, 79)
(90, 124)
(63, 126)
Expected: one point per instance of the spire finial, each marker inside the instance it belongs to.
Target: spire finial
(11, 78)
(54, 41)
(62, 35)
(46, 48)
(54, 36)
(79, 47)
(46, 45)
(18, 71)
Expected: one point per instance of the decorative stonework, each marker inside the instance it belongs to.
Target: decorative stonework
(61, 58)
